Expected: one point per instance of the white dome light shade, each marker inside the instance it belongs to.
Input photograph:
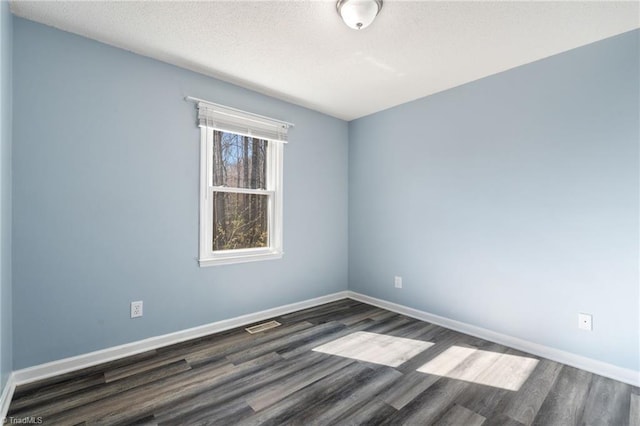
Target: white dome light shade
(359, 14)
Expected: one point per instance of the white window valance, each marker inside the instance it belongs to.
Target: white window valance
(232, 120)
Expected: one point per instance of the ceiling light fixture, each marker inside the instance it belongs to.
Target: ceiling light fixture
(358, 14)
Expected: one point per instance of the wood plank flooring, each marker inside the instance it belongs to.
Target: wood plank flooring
(276, 377)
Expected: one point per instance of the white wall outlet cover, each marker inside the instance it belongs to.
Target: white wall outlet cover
(136, 309)
(585, 322)
(397, 282)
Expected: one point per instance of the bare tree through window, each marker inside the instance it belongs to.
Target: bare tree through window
(240, 219)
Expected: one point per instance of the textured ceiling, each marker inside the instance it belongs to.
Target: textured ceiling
(300, 51)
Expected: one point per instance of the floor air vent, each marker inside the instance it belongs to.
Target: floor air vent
(262, 327)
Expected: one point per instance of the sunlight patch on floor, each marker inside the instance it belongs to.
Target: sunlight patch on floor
(483, 367)
(376, 348)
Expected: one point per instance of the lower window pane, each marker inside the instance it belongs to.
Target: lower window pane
(239, 221)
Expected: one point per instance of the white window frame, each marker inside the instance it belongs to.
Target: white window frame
(274, 158)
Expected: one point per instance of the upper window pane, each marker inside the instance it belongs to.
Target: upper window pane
(239, 161)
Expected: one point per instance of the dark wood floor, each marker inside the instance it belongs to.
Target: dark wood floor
(276, 377)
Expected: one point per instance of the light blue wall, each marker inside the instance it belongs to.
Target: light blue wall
(6, 56)
(105, 187)
(510, 203)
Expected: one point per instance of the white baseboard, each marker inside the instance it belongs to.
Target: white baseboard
(54, 368)
(625, 375)
(5, 397)
(66, 365)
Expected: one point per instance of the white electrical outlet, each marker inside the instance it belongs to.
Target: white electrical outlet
(585, 322)
(136, 309)
(397, 282)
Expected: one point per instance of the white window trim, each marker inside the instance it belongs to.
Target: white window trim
(275, 163)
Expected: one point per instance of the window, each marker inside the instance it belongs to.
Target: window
(240, 185)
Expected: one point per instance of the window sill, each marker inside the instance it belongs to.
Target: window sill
(229, 260)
